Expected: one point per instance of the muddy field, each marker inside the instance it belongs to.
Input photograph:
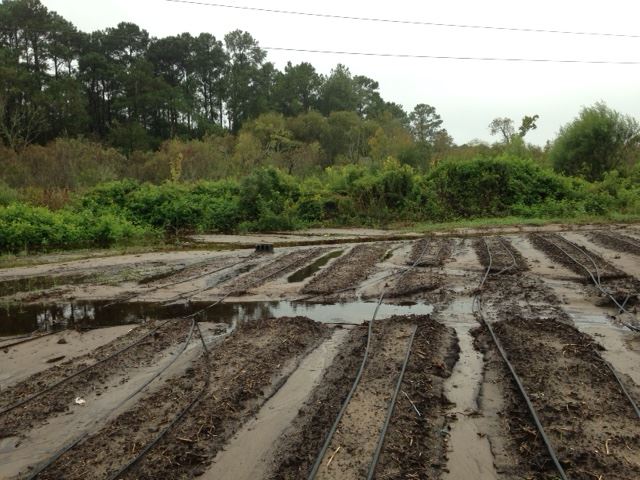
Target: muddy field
(510, 355)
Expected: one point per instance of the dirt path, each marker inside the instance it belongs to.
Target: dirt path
(113, 371)
(588, 419)
(281, 265)
(296, 451)
(430, 252)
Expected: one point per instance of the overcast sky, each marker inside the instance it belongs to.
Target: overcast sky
(468, 94)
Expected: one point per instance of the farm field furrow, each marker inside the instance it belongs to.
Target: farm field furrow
(381, 359)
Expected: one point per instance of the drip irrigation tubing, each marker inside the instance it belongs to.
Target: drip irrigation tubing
(514, 375)
(595, 278)
(140, 455)
(197, 399)
(109, 357)
(327, 442)
(266, 277)
(25, 340)
(392, 405)
(32, 397)
(54, 458)
(365, 284)
(514, 262)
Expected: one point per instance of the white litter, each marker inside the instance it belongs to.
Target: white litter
(80, 401)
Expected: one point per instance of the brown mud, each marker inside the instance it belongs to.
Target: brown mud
(240, 371)
(279, 266)
(430, 252)
(347, 271)
(58, 400)
(473, 422)
(415, 446)
(504, 257)
(297, 449)
(586, 416)
(553, 244)
(617, 241)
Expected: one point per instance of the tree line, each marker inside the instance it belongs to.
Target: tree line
(190, 107)
(123, 86)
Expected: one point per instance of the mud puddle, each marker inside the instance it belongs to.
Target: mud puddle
(22, 319)
(469, 453)
(349, 312)
(18, 319)
(309, 270)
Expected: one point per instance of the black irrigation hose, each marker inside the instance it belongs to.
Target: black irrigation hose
(25, 340)
(345, 404)
(596, 281)
(623, 388)
(54, 458)
(123, 350)
(514, 262)
(270, 275)
(392, 404)
(81, 371)
(134, 461)
(521, 388)
(364, 284)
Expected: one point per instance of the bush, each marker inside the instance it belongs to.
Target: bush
(493, 187)
(26, 227)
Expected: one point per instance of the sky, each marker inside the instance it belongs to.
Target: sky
(467, 94)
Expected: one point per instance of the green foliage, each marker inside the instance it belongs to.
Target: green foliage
(270, 200)
(599, 140)
(25, 227)
(493, 187)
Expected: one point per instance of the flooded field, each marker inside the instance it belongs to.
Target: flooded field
(511, 355)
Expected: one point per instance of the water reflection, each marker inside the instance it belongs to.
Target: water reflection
(309, 270)
(18, 319)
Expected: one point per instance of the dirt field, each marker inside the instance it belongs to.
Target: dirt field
(245, 365)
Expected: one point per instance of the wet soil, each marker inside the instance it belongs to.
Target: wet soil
(487, 434)
(552, 245)
(240, 372)
(430, 252)
(617, 241)
(249, 454)
(22, 361)
(504, 257)
(279, 266)
(297, 449)
(347, 271)
(588, 419)
(311, 269)
(418, 280)
(623, 287)
(59, 400)
(415, 446)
